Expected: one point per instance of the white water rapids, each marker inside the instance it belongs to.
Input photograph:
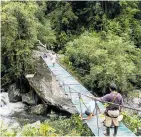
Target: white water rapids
(7, 109)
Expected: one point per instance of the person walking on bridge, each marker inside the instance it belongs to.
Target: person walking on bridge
(112, 111)
(88, 112)
(53, 58)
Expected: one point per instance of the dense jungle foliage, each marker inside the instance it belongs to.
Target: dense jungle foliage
(23, 23)
(101, 40)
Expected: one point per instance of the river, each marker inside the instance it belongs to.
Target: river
(15, 114)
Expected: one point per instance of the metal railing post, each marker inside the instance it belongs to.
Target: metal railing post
(79, 95)
(97, 116)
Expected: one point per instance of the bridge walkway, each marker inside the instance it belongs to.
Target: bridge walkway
(72, 87)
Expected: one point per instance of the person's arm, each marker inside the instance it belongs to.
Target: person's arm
(104, 98)
(95, 98)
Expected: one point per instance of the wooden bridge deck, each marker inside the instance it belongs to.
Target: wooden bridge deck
(70, 84)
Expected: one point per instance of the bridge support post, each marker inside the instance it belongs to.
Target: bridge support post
(96, 106)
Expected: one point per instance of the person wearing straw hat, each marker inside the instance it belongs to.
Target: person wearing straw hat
(112, 111)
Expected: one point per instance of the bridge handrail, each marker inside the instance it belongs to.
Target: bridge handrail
(93, 97)
(79, 94)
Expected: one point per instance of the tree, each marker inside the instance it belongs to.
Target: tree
(102, 61)
(45, 33)
(62, 21)
(21, 28)
(127, 22)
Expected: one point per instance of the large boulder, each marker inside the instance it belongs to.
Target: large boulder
(47, 87)
(39, 109)
(14, 93)
(28, 98)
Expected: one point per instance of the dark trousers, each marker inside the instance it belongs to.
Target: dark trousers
(108, 130)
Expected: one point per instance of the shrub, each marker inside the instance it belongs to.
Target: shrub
(133, 122)
(101, 61)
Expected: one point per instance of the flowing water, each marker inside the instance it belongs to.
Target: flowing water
(15, 114)
(7, 108)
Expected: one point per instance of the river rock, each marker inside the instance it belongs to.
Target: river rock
(53, 116)
(28, 98)
(47, 87)
(39, 109)
(14, 93)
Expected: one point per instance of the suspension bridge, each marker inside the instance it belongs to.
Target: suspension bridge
(74, 89)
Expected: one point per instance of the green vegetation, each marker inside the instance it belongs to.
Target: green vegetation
(99, 60)
(5, 130)
(22, 24)
(61, 127)
(107, 36)
(100, 41)
(133, 122)
(71, 127)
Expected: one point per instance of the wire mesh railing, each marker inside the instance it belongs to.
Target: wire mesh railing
(72, 90)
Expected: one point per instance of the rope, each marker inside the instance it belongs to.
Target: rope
(88, 71)
(109, 102)
(96, 106)
(105, 101)
(79, 94)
